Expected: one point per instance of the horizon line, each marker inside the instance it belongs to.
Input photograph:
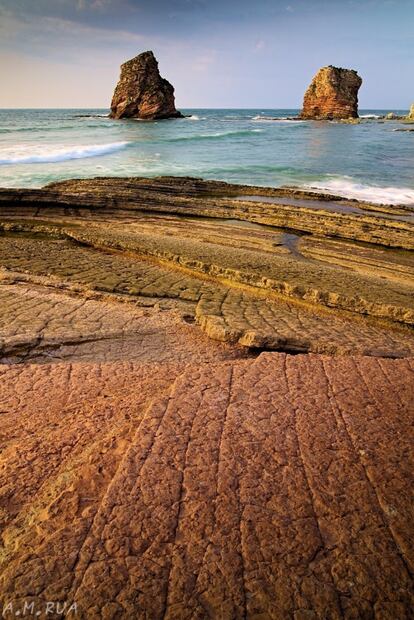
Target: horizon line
(194, 108)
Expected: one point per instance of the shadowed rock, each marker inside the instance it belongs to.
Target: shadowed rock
(141, 91)
(333, 94)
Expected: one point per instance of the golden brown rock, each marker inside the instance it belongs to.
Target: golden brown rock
(333, 94)
(274, 488)
(141, 92)
(148, 242)
(150, 471)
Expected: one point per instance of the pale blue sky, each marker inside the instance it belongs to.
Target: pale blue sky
(217, 53)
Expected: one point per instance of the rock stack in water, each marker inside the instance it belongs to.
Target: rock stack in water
(411, 114)
(141, 92)
(333, 94)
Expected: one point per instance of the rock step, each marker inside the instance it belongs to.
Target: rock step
(227, 311)
(232, 315)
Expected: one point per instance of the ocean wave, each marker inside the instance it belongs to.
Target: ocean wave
(29, 154)
(369, 116)
(91, 116)
(40, 130)
(214, 136)
(195, 117)
(250, 169)
(349, 188)
(271, 119)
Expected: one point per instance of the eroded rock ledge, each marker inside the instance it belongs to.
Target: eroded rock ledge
(156, 462)
(270, 268)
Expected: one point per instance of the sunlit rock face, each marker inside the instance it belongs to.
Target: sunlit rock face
(332, 94)
(141, 91)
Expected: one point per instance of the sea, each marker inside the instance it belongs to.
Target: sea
(369, 161)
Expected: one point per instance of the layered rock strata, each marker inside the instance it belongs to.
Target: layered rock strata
(219, 260)
(141, 91)
(156, 463)
(332, 94)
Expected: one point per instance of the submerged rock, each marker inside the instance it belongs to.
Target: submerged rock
(333, 94)
(141, 91)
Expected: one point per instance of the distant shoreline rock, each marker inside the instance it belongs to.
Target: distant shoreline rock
(142, 93)
(332, 94)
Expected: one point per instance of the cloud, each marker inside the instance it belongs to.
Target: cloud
(204, 61)
(93, 5)
(37, 35)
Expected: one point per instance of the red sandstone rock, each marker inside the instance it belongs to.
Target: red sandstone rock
(141, 92)
(274, 488)
(332, 94)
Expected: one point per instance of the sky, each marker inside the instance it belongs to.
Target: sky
(216, 53)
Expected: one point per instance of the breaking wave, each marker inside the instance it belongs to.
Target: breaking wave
(349, 188)
(28, 154)
(195, 117)
(215, 136)
(271, 119)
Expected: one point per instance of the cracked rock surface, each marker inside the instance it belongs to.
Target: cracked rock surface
(275, 487)
(206, 402)
(288, 270)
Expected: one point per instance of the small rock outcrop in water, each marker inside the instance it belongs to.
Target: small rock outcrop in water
(333, 94)
(411, 113)
(141, 92)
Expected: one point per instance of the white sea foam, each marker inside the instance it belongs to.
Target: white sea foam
(214, 136)
(46, 154)
(271, 119)
(369, 116)
(349, 188)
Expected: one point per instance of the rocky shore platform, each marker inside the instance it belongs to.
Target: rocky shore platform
(206, 402)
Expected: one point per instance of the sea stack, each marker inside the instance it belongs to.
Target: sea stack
(141, 91)
(411, 114)
(333, 94)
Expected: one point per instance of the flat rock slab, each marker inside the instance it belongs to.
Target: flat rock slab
(275, 269)
(276, 487)
(31, 312)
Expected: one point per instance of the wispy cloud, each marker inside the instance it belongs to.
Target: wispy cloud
(94, 5)
(204, 61)
(41, 34)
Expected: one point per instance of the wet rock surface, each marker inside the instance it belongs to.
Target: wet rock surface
(141, 91)
(333, 94)
(163, 452)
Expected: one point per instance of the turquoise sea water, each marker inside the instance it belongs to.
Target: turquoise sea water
(367, 161)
